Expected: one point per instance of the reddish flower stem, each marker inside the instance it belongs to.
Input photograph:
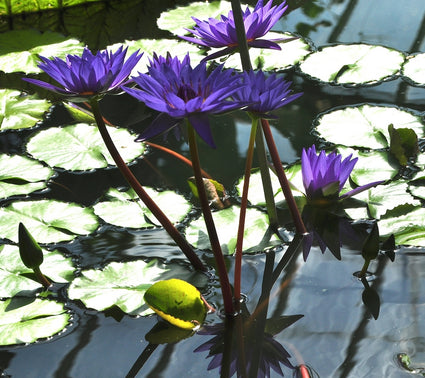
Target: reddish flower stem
(137, 187)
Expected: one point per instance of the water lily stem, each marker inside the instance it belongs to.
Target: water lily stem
(242, 214)
(209, 222)
(137, 187)
(241, 35)
(41, 278)
(284, 183)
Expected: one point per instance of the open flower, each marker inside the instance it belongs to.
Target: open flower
(222, 33)
(180, 92)
(324, 176)
(83, 77)
(264, 93)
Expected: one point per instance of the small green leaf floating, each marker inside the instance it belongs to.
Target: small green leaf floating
(177, 302)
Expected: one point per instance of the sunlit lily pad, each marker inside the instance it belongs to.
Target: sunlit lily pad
(414, 69)
(123, 285)
(364, 125)
(269, 59)
(48, 221)
(408, 229)
(256, 235)
(21, 175)
(24, 321)
(125, 209)
(19, 110)
(19, 49)
(80, 147)
(353, 64)
(14, 278)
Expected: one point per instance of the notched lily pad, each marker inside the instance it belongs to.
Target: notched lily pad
(125, 209)
(49, 221)
(19, 110)
(25, 321)
(15, 277)
(80, 147)
(365, 126)
(358, 64)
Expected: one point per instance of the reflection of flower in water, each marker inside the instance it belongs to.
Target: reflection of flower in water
(257, 348)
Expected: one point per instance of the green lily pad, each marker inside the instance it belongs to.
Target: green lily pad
(417, 191)
(48, 221)
(20, 111)
(14, 275)
(256, 236)
(21, 175)
(353, 64)
(125, 209)
(408, 229)
(365, 126)
(26, 322)
(19, 49)
(17, 7)
(414, 69)
(273, 60)
(80, 147)
(175, 20)
(123, 284)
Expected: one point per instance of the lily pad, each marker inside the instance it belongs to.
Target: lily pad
(22, 321)
(123, 285)
(48, 221)
(19, 49)
(257, 235)
(414, 69)
(365, 126)
(80, 147)
(21, 175)
(14, 275)
(19, 110)
(125, 209)
(353, 64)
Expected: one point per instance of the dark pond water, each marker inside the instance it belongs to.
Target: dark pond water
(333, 333)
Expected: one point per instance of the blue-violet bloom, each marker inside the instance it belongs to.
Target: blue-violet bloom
(222, 33)
(264, 93)
(324, 176)
(179, 92)
(83, 77)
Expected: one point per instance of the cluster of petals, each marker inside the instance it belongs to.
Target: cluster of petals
(221, 33)
(263, 93)
(324, 176)
(88, 75)
(178, 92)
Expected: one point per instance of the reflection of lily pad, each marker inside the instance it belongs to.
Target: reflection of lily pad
(20, 111)
(125, 209)
(21, 175)
(123, 285)
(365, 125)
(256, 235)
(24, 321)
(14, 274)
(353, 64)
(80, 147)
(48, 221)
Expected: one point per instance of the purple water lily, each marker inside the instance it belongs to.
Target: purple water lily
(83, 77)
(222, 33)
(180, 92)
(264, 93)
(324, 176)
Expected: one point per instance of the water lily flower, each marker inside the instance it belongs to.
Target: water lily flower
(324, 176)
(179, 92)
(264, 93)
(87, 76)
(222, 33)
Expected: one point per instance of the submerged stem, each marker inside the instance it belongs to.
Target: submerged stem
(209, 222)
(137, 187)
(242, 214)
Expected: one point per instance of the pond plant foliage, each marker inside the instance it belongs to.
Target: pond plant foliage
(225, 59)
